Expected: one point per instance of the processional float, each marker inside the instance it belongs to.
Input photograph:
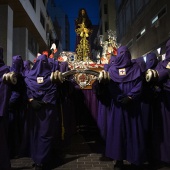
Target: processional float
(82, 68)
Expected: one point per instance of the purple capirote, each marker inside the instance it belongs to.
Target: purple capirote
(123, 63)
(162, 118)
(125, 134)
(44, 122)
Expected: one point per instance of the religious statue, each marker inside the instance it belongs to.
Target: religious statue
(83, 30)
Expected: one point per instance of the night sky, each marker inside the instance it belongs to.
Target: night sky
(71, 8)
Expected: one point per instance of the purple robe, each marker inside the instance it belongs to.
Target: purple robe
(44, 123)
(66, 107)
(17, 107)
(125, 135)
(151, 61)
(149, 106)
(4, 100)
(91, 103)
(27, 67)
(140, 61)
(54, 64)
(103, 103)
(162, 118)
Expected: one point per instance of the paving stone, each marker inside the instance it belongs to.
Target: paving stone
(81, 154)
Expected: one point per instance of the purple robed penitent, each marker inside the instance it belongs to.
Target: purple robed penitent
(4, 99)
(125, 135)
(54, 64)
(162, 119)
(149, 107)
(66, 106)
(104, 104)
(17, 107)
(44, 121)
(27, 67)
(141, 62)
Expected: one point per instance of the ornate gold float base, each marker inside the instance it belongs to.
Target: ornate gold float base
(84, 80)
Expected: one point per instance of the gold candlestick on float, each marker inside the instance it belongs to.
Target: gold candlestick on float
(83, 29)
(83, 48)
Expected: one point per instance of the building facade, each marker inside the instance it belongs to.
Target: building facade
(63, 28)
(107, 19)
(143, 25)
(26, 29)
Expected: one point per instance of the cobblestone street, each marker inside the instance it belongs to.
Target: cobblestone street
(85, 152)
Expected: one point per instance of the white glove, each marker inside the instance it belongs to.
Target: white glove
(151, 75)
(103, 77)
(53, 46)
(10, 78)
(56, 77)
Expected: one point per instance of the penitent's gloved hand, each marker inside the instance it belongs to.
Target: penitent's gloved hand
(104, 77)
(37, 105)
(126, 100)
(56, 77)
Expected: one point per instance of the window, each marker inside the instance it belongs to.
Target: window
(159, 15)
(130, 43)
(42, 19)
(141, 33)
(33, 3)
(32, 44)
(105, 9)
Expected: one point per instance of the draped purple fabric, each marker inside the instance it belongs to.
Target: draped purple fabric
(44, 122)
(54, 64)
(91, 103)
(163, 67)
(151, 61)
(27, 67)
(104, 104)
(18, 89)
(40, 70)
(125, 134)
(17, 64)
(64, 66)
(107, 66)
(123, 66)
(66, 106)
(17, 107)
(5, 89)
(140, 61)
(4, 99)
(149, 99)
(163, 64)
(162, 118)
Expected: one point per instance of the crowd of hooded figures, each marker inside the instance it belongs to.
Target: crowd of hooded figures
(130, 101)
(30, 119)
